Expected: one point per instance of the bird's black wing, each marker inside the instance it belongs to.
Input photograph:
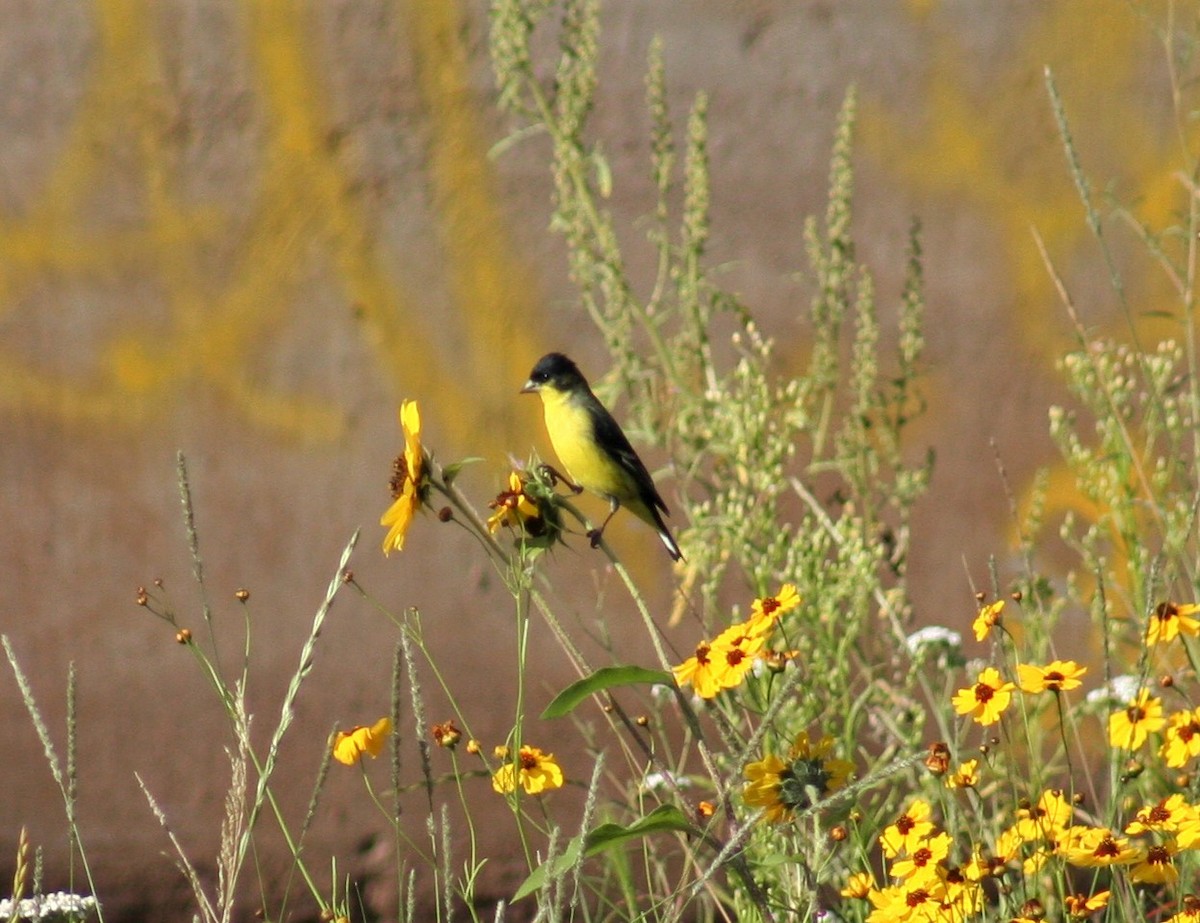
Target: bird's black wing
(608, 433)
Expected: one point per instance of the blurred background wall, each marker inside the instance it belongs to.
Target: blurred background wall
(246, 230)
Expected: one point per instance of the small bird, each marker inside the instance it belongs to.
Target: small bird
(591, 446)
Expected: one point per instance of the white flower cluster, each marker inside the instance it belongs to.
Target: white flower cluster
(59, 907)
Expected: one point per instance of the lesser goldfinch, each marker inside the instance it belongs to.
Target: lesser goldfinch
(593, 449)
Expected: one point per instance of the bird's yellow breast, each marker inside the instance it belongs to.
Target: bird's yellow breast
(573, 436)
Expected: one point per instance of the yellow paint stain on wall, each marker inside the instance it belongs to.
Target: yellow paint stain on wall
(210, 333)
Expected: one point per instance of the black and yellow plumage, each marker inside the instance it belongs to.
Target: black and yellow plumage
(592, 447)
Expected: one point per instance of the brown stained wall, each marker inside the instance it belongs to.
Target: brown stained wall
(246, 230)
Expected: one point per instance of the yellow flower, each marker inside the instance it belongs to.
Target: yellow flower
(534, 771)
(1046, 820)
(515, 509)
(922, 862)
(724, 662)
(1157, 866)
(908, 831)
(1181, 739)
(701, 670)
(349, 746)
(1057, 676)
(781, 788)
(1094, 847)
(767, 610)
(1084, 905)
(407, 471)
(1129, 727)
(1170, 620)
(1167, 816)
(921, 902)
(987, 699)
(965, 776)
(858, 886)
(987, 619)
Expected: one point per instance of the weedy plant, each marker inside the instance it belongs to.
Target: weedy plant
(812, 756)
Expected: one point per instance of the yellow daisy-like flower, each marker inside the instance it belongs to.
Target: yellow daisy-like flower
(1044, 821)
(702, 670)
(349, 746)
(533, 770)
(809, 774)
(1190, 912)
(922, 902)
(1129, 727)
(1181, 739)
(858, 886)
(515, 509)
(1169, 620)
(922, 862)
(987, 699)
(724, 662)
(1167, 816)
(1084, 905)
(1157, 866)
(407, 471)
(965, 776)
(767, 610)
(987, 619)
(1095, 847)
(908, 831)
(1057, 676)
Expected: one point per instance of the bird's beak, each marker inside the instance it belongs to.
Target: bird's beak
(530, 387)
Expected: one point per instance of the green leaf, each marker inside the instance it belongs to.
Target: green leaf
(604, 678)
(664, 818)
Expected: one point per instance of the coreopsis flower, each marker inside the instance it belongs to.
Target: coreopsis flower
(1129, 727)
(908, 831)
(986, 700)
(1157, 866)
(1181, 739)
(769, 609)
(1167, 816)
(406, 485)
(1084, 905)
(514, 508)
(1045, 820)
(987, 619)
(783, 787)
(966, 775)
(1056, 676)
(922, 901)
(922, 862)
(1094, 847)
(349, 746)
(858, 886)
(724, 662)
(1190, 912)
(1169, 620)
(532, 770)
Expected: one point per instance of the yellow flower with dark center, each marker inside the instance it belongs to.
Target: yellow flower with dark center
(781, 788)
(965, 776)
(406, 485)
(1157, 866)
(514, 508)
(767, 610)
(1129, 727)
(1181, 739)
(1169, 620)
(1057, 676)
(1166, 816)
(987, 699)
(701, 670)
(908, 831)
(1044, 821)
(1096, 847)
(987, 619)
(922, 863)
(534, 771)
(723, 662)
(1084, 905)
(349, 746)
(858, 886)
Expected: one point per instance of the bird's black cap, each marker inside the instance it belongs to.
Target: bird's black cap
(556, 370)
